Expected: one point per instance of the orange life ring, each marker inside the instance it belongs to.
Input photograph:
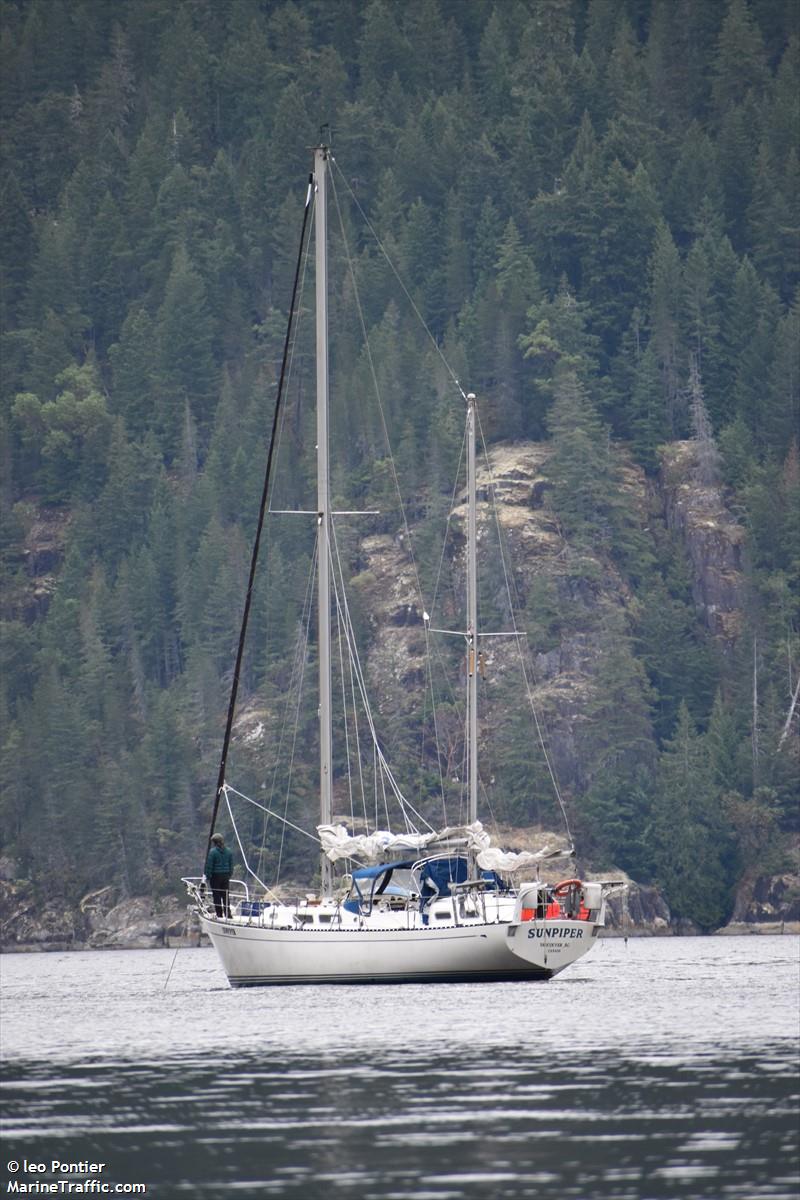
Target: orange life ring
(562, 888)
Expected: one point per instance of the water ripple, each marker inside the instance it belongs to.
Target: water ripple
(665, 1070)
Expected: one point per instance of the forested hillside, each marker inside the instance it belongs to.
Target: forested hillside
(594, 204)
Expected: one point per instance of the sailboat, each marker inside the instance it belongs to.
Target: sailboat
(432, 906)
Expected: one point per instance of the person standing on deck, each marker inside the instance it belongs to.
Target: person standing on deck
(219, 868)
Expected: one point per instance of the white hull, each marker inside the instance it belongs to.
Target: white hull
(256, 956)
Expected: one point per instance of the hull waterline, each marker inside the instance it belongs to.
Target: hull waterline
(254, 956)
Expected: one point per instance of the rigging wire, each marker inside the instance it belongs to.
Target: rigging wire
(261, 514)
(302, 643)
(295, 342)
(455, 700)
(357, 736)
(521, 639)
(227, 791)
(294, 689)
(386, 774)
(397, 276)
(340, 641)
(376, 386)
(375, 383)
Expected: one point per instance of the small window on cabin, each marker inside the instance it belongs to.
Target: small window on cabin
(325, 918)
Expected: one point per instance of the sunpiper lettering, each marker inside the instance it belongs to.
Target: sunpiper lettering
(555, 933)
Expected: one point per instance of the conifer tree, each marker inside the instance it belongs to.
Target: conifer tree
(665, 322)
(613, 268)
(16, 246)
(494, 63)
(646, 418)
(580, 467)
(725, 737)
(106, 269)
(630, 136)
(185, 74)
(773, 223)
(784, 115)
(618, 733)
(691, 841)
(782, 410)
(740, 65)
(737, 145)
(756, 355)
(187, 372)
(694, 181)
(680, 38)
(131, 361)
(383, 50)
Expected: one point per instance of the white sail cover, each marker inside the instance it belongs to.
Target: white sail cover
(337, 843)
(508, 861)
(370, 847)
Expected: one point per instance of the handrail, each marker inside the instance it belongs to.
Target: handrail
(200, 892)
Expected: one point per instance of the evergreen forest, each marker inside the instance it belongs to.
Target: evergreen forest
(593, 206)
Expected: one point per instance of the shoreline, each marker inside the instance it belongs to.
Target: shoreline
(199, 940)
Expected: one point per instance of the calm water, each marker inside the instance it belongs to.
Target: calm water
(661, 1069)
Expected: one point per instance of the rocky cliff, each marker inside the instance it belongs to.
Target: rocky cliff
(769, 903)
(34, 567)
(565, 602)
(712, 538)
(103, 920)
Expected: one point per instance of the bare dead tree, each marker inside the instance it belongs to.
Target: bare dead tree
(707, 453)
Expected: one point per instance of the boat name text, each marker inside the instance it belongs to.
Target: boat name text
(555, 933)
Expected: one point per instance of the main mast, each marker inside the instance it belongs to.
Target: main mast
(323, 500)
(472, 612)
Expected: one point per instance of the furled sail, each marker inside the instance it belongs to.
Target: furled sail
(338, 843)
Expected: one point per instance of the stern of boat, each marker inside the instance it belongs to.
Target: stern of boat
(552, 927)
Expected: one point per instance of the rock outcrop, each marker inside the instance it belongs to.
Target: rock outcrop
(101, 921)
(713, 540)
(140, 923)
(576, 592)
(28, 592)
(767, 904)
(640, 911)
(27, 924)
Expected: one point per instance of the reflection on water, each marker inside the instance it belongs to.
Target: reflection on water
(660, 1069)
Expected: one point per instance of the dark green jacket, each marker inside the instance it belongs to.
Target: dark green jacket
(219, 861)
